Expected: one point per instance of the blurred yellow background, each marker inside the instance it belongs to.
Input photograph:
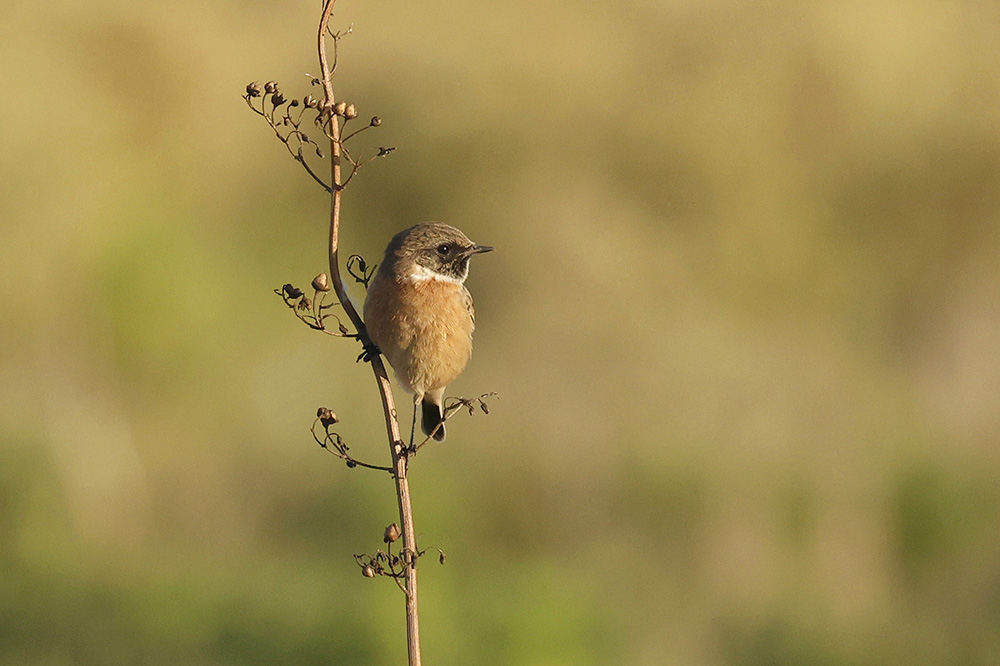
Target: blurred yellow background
(743, 317)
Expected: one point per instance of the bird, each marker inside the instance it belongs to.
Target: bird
(420, 315)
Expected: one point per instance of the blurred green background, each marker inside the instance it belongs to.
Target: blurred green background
(744, 319)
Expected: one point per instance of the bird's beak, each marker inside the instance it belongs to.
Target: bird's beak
(479, 249)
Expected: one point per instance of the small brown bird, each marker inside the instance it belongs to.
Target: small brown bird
(420, 315)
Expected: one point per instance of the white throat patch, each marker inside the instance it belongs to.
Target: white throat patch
(424, 274)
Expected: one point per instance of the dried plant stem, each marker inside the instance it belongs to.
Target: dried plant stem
(398, 449)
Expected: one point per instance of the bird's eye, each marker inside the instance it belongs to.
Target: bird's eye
(443, 249)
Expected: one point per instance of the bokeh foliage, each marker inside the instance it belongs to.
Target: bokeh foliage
(743, 318)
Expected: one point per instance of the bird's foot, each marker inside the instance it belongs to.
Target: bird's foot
(371, 350)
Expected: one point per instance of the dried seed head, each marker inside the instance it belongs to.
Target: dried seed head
(326, 417)
(340, 108)
(253, 89)
(291, 292)
(320, 282)
(351, 112)
(271, 87)
(305, 304)
(368, 571)
(391, 533)
(278, 99)
(376, 121)
(442, 557)
(310, 102)
(293, 103)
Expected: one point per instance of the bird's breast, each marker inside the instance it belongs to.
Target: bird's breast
(423, 327)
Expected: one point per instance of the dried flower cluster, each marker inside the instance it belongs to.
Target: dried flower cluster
(332, 441)
(313, 311)
(387, 563)
(290, 117)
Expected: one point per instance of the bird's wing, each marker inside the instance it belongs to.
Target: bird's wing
(468, 306)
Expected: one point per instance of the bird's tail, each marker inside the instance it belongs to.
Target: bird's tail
(433, 415)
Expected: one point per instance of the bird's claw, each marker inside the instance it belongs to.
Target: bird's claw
(370, 352)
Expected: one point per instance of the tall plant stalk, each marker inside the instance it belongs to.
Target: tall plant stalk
(400, 455)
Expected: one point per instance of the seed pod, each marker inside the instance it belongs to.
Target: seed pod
(291, 292)
(278, 99)
(310, 102)
(368, 571)
(253, 89)
(320, 282)
(351, 112)
(376, 121)
(271, 87)
(391, 533)
(340, 108)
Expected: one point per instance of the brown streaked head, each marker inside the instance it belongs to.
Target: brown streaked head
(431, 249)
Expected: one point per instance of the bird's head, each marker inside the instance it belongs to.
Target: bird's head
(432, 251)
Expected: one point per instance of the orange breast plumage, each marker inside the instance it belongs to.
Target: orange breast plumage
(423, 327)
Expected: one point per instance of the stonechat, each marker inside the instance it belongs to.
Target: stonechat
(420, 315)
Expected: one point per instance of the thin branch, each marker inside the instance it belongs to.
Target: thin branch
(453, 408)
(301, 160)
(335, 445)
(356, 132)
(356, 263)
